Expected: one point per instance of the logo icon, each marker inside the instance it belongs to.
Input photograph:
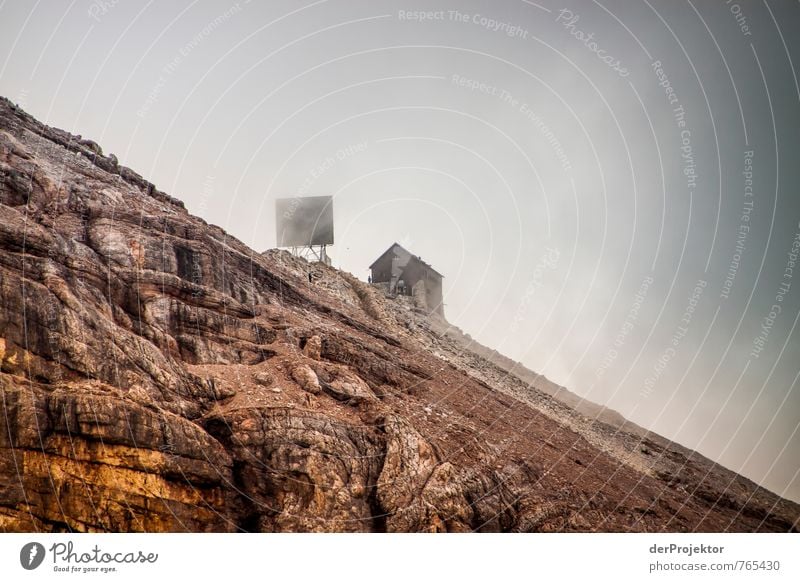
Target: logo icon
(31, 555)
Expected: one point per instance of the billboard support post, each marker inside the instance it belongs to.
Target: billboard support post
(317, 253)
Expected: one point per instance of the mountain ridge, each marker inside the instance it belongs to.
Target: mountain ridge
(158, 375)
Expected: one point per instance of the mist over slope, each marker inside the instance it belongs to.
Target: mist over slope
(158, 375)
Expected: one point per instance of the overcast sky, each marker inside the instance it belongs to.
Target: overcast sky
(611, 190)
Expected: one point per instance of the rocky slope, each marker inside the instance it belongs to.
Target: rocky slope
(158, 375)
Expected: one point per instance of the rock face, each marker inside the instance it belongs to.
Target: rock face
(158, 375)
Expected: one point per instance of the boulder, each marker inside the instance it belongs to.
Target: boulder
(347, 386)
(313, 347)
(306, 378)
(264, 378)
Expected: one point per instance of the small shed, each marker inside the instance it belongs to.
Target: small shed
(404, 273)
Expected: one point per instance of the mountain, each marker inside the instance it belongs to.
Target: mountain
(158, 375)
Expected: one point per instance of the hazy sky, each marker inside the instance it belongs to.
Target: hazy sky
(611, 190)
